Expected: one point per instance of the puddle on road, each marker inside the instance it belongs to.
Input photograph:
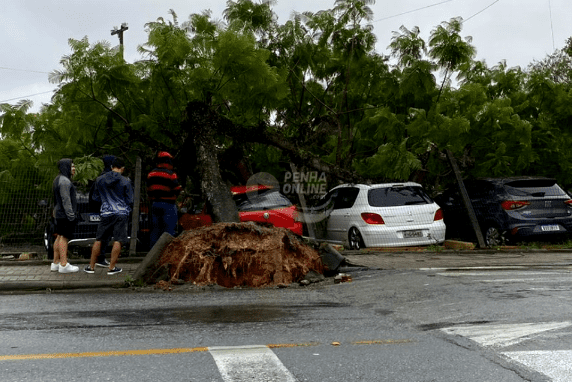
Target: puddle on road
(227, 314)
(153, 317)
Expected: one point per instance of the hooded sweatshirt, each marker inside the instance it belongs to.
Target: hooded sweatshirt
(65, 199)
(107, 161)
(96, 205)
(115, 193)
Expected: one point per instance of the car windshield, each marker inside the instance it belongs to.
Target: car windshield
(397, 196)
(262, 200)
(536, 187)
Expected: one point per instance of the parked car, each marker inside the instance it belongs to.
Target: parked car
(509, 209)
(86, 228)
(380, 215)
(260, 204)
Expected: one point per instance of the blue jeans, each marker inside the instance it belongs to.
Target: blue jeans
(163, 219)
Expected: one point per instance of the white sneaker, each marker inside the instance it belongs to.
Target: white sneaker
(68, 268)
(54, 267)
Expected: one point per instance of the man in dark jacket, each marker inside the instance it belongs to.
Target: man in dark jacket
(163, 188)
(96, 206)
(65, 209)
(116, 195)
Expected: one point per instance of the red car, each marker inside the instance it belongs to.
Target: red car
(260, 204)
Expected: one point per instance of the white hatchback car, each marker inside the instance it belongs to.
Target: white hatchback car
(380, 215)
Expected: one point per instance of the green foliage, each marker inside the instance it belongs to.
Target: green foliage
(391, 162)
(87, 168)
(315, 83)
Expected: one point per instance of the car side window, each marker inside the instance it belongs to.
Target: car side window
(480, 190)
(264, 200)
(346, 198)
(326, 202)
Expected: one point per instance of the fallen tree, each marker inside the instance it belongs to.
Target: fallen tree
(235, 255)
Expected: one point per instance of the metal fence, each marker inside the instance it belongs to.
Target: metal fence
(25, 200)
(26, 205)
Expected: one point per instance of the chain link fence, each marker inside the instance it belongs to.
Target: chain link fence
(26, 206)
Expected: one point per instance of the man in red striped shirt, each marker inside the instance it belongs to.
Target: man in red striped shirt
(163, 188)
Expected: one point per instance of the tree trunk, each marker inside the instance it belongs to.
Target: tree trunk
(202, 125)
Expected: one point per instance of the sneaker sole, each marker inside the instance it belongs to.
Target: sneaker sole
(74, 271)
(113, 273)
(102, 265)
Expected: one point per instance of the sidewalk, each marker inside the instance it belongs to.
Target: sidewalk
(29, 275)
(450, 259)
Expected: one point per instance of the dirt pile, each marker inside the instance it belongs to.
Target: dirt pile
(239, 254)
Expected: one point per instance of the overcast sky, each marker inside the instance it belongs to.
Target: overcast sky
(35, 33)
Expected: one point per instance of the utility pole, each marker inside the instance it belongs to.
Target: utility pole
(119, 33)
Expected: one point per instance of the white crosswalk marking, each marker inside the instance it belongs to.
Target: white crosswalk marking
(255, 363)
(503, 334)
(554, 364)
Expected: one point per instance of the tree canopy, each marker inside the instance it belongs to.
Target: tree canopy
(247, 94)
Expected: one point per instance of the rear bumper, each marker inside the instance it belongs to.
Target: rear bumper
(375, 236)
(88, 242)
(538, 230)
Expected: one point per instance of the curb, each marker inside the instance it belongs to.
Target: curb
(26, 286)
(8, 263)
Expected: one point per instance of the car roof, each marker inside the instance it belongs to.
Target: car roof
(378, 185)
(508, 179)
(237, 190)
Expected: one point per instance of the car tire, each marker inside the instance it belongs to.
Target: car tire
(493, 236)
(355, 240)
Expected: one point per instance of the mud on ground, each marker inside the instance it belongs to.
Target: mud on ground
(238, 254)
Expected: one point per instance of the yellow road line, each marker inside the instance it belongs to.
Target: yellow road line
(381, 342)
(111, 353)
(276, 346)
(116, 353)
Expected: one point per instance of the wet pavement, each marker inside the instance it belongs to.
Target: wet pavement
(26, 275)
(415, 259)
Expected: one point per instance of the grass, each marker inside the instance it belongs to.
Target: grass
(130, 282)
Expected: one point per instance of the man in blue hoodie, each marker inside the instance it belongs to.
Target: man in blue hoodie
(96, 206)
(116, 195)
(65, 210)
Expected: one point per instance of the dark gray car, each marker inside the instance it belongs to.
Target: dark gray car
(510, 209)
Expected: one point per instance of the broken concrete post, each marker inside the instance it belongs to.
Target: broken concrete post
(153, 256)
(331, 258)
(313, 277)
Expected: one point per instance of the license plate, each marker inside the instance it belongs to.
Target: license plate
(94, 217)
(407, 234)
(550, 227)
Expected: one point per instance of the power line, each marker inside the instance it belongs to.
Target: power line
(414, 10)
(24, 70)
(31, 95)
(482, 10)
(551, 24)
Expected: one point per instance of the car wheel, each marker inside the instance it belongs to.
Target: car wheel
(493, 237)
(49, 240)
(354, 239)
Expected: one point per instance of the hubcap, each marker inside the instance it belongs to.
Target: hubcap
(493, 237)
(354, 239)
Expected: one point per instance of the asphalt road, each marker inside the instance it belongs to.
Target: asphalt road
(428, 324)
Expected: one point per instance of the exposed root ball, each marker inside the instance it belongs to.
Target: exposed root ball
(239, 254)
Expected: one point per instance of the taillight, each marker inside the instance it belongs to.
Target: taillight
(371, 218)
(438, 215)
(514, 204)
(568, 202)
